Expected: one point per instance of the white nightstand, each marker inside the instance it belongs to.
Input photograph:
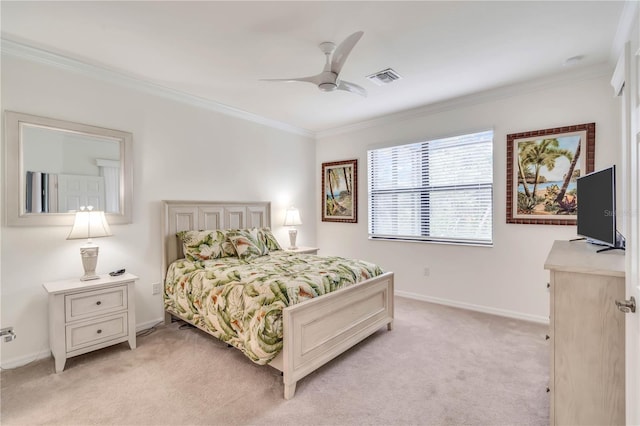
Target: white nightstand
(89, 315)
(305, 250)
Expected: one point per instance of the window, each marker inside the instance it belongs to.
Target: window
(439, 190)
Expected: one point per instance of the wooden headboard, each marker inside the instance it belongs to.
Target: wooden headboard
(200, 215)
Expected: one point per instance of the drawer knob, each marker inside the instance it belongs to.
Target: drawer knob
(546, 337)
(99, 331)
(548, 285)
(627, 306)
(98, 303)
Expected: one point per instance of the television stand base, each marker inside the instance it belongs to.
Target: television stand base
(610, 248)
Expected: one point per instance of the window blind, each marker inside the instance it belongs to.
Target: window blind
(439, 190)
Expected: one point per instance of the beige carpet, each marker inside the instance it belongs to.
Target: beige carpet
(439, 366)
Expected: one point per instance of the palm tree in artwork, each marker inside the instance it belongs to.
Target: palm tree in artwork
(569, 175)
(331, 180)
(346, 180)
(335, 178)
(334, 183)
(542, 153)
(523, 167)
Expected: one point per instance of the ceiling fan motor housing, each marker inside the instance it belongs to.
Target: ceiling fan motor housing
(327, 87)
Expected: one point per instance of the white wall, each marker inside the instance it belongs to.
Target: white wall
(508, 278)
(180, 152)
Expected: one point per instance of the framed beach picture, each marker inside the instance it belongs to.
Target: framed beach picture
(340, 191)
(542, 169)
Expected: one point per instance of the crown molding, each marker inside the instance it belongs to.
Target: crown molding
(585, 73)
(630, 12)
(34, 54)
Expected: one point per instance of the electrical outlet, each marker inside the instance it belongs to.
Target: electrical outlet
(156, 288)
(8, 333)
(426, 271)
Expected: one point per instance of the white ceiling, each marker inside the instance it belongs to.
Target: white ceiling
(220, 50)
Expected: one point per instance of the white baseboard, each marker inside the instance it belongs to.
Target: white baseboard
(147, 325)
(472, 307)
(27, 359)
(24, 360)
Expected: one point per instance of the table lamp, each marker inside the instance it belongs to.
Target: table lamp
(292, 218)
(89, 224)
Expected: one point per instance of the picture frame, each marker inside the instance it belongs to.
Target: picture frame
(542, 169)
(340, 191)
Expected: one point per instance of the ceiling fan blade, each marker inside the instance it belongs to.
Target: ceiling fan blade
(352, 87)
(343, 50)
(313, 79)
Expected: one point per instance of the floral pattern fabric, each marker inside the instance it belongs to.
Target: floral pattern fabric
(241, 302)
(270, 240)
(248, 243)
(205, 245)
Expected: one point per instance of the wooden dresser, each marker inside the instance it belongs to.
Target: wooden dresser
(586, 335)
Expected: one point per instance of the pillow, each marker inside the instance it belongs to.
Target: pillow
(205, 245)
(270, 240)
(248, 243)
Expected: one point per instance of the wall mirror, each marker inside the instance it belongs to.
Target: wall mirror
(53, 167)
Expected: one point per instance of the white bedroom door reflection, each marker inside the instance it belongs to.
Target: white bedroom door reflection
(75, 191)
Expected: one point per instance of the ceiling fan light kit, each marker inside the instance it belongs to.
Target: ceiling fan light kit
(328, 80)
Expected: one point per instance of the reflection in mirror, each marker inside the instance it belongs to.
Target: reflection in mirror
(54, 167)
(65, 170)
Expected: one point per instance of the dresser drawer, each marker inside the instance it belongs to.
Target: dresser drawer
(89, 333)
(94, 303)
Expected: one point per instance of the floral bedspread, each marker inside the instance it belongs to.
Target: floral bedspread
(241, 302)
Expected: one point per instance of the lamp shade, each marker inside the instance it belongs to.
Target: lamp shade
(292, 217)
(89, 224)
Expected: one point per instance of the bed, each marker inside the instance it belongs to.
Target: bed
(314, 330)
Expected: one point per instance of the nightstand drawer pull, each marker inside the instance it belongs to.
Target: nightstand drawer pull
(547, 337)
(98, 303)
(99, 331)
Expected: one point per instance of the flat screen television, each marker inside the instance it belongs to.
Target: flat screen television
(596, 194)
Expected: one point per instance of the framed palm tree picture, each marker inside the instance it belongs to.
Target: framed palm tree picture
(542, 169)
(340, 191)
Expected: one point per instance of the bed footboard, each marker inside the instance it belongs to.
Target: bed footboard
(318, 330)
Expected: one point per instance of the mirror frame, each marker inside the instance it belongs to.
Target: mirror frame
(14, 193)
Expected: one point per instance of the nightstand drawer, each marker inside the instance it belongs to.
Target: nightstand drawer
(93, 303)
(91, 333)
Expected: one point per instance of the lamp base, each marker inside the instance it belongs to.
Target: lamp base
(89, 255)
(89, 277)
(293, 233)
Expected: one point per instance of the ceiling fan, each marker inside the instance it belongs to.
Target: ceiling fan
(328, 80)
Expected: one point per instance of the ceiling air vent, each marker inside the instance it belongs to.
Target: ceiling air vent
(384, 77)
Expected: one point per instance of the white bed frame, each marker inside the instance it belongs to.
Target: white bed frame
(314, 331)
